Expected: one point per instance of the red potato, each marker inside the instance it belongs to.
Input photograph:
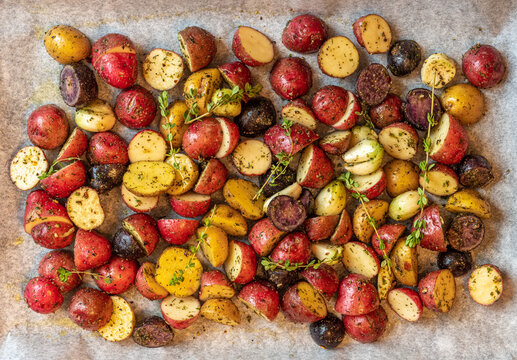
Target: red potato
(449, 141)
(486, 284)
(135, 107)
(366, 328)
(301, 303)
(198, 47)
(190, 204)
(66, 180)
(50, 264)
(147, 145)
(91, 250)
(320, 227)
(304, 34)
(371, 185)
(294, 247)
(53, 234)
(399, 140)
(359, 258)
(241, 263)
(443, 180)
(324, 279)
(343, 231)
(143, 229)
(291, 77)
(299, 112)
(41, 208)
(351, 114)
(230, 137)
(483, 65)
(336, 143)
(177, 231)
(373, 33)
(212, 177)
(278, 141)
(91, 309)
(330, 104)
(263, 236)
(389, 233)
(252, 158)
(180, 313)
(114, 59)
(75, 145)
(42, 295)
(47, 127)
(315, 169)
(437, 290)
(203, 138)
(215, 285)
(139, 204)
(433, 235)
(389, 111)
(116, 276)
(262, 297)
(27, 166)
(356, 296)
(252, 47)
(406, 303)
(235, 74)
(107, 148)
(146, 284)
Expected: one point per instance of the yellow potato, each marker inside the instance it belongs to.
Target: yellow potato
(240, 194)
(222, 311)
(385, 281)
(405, 263)
(215, 245)
(200, 87)
(465, 102)
(401, 176)
(148, 178)
(469, 201)
(378, 209)
(66, 44)
(176, 121)
(228, 219)
(186, 174)
(122, 321)
(97, 116)
(231, 109)
(172, 264)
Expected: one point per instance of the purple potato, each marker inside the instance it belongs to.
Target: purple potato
(404, 57)
(77, 84)
(153, 332)
(281, 182)
(418, 105)
(458, 262)
(373, 84)
(307, 200)
(281, 278)
(286, 213)
(466, 232)
(475, 171)
(105, 177)
(125, 245)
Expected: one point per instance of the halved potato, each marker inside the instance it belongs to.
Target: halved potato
(222, 311)
(378, 210)
(172, 264)
(148, 178)
(469, 201)
(228, 219)
(162, 69)
(240, 194)
(186, 174)
(122, 321)
(405, 263)
(338, 57)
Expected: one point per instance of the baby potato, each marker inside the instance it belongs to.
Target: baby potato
(465, 102)
(66, 44)
(401, 176)
(231, 109)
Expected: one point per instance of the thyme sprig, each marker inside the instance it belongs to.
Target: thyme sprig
(351, 185)
(52, 169)
(163, 101)
(269, 264)
(365, 116)
(64, 274)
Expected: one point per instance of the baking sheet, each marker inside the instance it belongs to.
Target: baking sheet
(28, 78)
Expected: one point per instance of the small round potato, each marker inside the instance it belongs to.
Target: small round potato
(66, 44)
(465, 102)
(401, 176)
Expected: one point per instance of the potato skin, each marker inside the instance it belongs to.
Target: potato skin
(405, 263)
(107, 148)
(401, 176)
(204, 82)
(66, 44)
(465, 102)
(291, 77)
(387, 112)
(198, 47)
(404, 57)
(65, 181)
(295, 247)
(47, 127)
(263, 237)
(176, 120)
(475, 171)
(295, 310)
(53, 234)
(203, 138)
(105, 177)
(356, 296)
(212, 177)
(483, 66)
(256, 117)
(466, 232)
(90, 250)
(329, 104)
(304, 34)
(90, 309)
(135, 107)
(50, 264)
(42, 295)
(373, 84)
(418, 105)
(366, 328)
(126, 246)
(153, 332)
(378, 209)
(117, 276)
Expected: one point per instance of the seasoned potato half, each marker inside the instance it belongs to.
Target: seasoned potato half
(122, 321)
(149, 178)
(170, 262)
(240, 194)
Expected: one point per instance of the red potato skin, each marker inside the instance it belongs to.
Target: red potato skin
(455, 144)
(235, 74)
(241, 53)
(201, 46)
(426, 290)
(117, 276)
(212, 178)
(329, 104)
(320, 227)
(42, 295)
(294, 309)
(263, 236)
(53, 234)
(291, 77)
(321, 170)
(375, 190)
(278, 141)
(179, 324)
(146, 227)
(203, 139)
(324, 279)
(39, 206)
(119, 70)
(107, 148)
(344, 231)
(47, 127)
(389, 234)
(249, 264)
(335, 148)
(433, 233)
(233, 130)
(90, 250)
(213, 278)
(387, 112)
(142, 286)
(366, 328)
(75, 145)
(356, 296)
(304, 34)
(65, 181)
(294, 247)
(406, 127)
(90, 308)
(483, 66)
(189, 209)
(353, 116)
(135, 107)
(50, 264)
(177, 231)
(356, 27)
(263, 296)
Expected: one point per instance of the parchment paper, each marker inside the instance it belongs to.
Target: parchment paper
(28, 78)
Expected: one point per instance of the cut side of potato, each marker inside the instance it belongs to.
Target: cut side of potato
(228, 219)
(385, 281)
(222, 311)
(148, 178)
(186, 174)
(375, 34)
(438, 68)
(240, 194)
(252, 158)
(215, 246)
(177, 310)
(349, 118)
(174, 124)
(358, 258)
(486, 284)
(84, 208)
(337, 142)
(122, 321)
(444, 291)
(443, 181)
(138, 203)
(147, 145)
(366, 183)
(294, 190)
(171, 261)
(299, 114)
(311, 299)
(326, 252)
(162, 69)
(338, 57)
(405, 263)
(469, 201)
(406, 303)
(26, 167)
(378, 210)
(256, 45)
(97, 116)
(400, 142)
(360, 133)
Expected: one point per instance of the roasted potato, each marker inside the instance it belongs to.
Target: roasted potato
(228, 219)
(469, 201)
(153, 332)
(42, 296)
(405, 263)
(122, 321)
(257, 115)
(66, 44)
(186, 173)
(240, 194)
(97, 116)
(149, 178)
(200, 87)
(105, 177)
(170, 262)
(222, 311)
(91, 309)
(215, 246)
(47, 127)
(483, 65)
(465, 102)
(378, 210)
